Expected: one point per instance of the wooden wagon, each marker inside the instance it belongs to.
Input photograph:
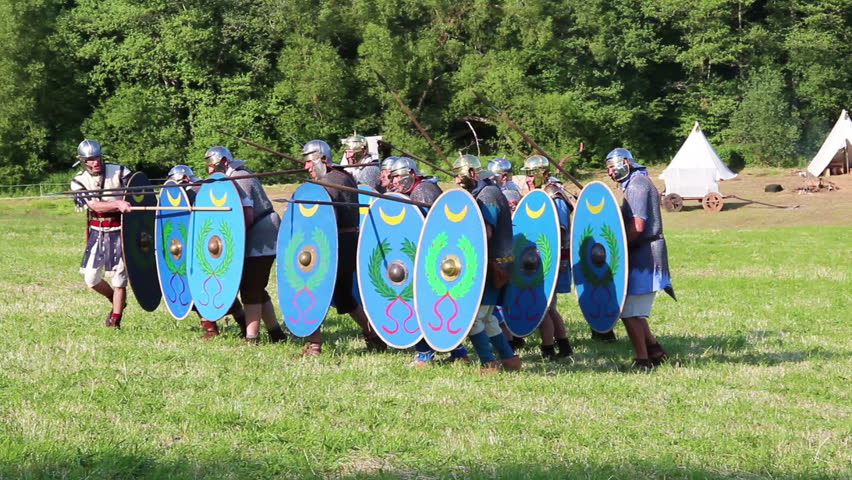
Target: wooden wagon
(692, 184)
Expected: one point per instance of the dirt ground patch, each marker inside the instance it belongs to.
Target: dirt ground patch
(815, 209)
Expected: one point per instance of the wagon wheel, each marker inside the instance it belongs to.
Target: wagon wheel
(673, 202)
(712, 202)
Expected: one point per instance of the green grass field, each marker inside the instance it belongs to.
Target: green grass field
(758, 385)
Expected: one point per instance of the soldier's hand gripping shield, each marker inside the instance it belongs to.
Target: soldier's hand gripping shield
(536, 246)
(307, 260)
(218, 243)
(387, 247)
(599, 256)
(137, 239)
(449, 269)
(172, 249)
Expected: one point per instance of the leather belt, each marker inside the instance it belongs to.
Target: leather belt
(105, 223)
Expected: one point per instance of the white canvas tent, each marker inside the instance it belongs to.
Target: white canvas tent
(696, 169)
(835, 152)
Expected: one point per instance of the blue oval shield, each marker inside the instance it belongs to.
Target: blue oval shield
(387, 247)
(218, 240)
(172, 246)
(536, 248)
(599, 256)
(449, 269)
(307, 260)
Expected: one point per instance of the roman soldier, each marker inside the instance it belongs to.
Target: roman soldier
(103, 253)
(552, 327)
(486, 332)
(262, 223)
(648, 269)
(317, 156)
(357, 152)
(406, 178)
(183, 174)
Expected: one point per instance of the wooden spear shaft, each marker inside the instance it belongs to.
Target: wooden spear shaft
(321, 202)
(188, 209)
(530, 141)
(413, 119)
(143, 188)
(264, 148)
(369, 193)
(409, 154)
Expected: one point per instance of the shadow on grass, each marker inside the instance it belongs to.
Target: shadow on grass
(757, 347)
(691, 205)
(387, 466)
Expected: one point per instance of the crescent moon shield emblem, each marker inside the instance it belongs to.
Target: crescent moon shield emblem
(308, 211)
(535, 213)
(173, 201)
(218, 201)
(455, 217)
(596, 209)
(392, 219)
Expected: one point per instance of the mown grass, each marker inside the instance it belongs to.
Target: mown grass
(758, 386)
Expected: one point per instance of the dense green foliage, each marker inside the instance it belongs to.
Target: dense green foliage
(155, 81)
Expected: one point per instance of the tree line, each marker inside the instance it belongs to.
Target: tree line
(156, 81)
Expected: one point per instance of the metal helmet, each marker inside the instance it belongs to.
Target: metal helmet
(216, 156)
(179, 172)
(536, 162)
(464, 163)
(536, 166)
(406, 169)
(500, 165)
(356, 150)
(387, 162)
(402, 165)
(315, 150)
(355, 142)
(90, 149)
(622, 161)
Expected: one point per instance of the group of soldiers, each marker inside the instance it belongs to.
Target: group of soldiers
(496, 195)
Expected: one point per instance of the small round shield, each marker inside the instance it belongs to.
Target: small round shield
(218, 243)
(536, 246)
(307, 260)
(365, 200)
(449, 269)
(172, 246)
(599, 256)
(387, 246)
(137, 241)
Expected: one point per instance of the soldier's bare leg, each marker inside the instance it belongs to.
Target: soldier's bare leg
(254, 311)
(635, 327)
(276, 334)
(104, 289)
(119, 300)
